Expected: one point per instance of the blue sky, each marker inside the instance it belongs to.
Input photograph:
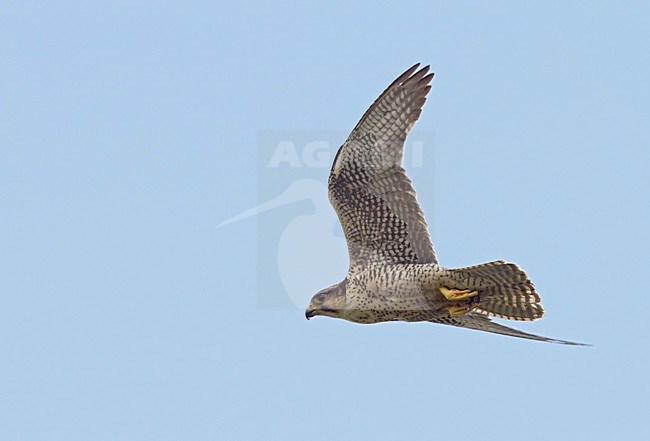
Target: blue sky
(130, 130)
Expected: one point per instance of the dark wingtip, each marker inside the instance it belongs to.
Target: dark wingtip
(412, 68)
(570, 343)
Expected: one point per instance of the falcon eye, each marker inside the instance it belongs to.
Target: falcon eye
(321, 298)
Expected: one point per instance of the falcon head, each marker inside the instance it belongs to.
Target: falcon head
(329, 301)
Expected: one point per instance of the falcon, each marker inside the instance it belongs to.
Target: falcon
(393, 273)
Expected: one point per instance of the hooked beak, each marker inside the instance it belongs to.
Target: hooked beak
(309, 313)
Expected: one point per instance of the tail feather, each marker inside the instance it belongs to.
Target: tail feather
(488, 274)
(514, 302)
(504, 290)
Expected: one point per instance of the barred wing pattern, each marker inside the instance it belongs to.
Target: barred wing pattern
(368, 187)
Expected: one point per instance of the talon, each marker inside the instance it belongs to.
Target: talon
(457, 294)
(457, 310)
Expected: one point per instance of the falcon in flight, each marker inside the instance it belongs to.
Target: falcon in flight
(394, 274)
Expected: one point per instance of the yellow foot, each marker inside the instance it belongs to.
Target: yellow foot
(457, 294)
(456, 310)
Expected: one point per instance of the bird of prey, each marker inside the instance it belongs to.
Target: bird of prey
(394, 274)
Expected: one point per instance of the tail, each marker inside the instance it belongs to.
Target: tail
(504, 290)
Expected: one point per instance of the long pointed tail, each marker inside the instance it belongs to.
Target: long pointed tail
(504, 290)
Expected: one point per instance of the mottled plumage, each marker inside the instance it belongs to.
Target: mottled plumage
(394, 274)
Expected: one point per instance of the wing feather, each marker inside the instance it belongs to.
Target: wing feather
(481, 322)
(368, 187)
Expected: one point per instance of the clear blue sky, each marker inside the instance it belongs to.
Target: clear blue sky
(130, 130)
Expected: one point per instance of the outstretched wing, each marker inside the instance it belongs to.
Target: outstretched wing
(481, 322)
(368, 187)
